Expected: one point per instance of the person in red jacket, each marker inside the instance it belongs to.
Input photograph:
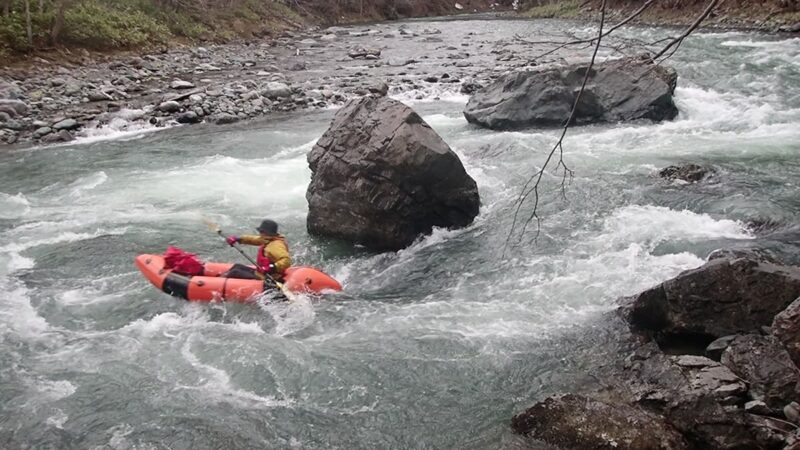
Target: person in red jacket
(273, 256)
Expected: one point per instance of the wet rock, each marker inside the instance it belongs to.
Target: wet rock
(757, 407)
(14, 108)
(795, 28)
(60, 136)
(66, 124)
(399, 62)
(766, 366)
(431, 79)
(9, 91)
(275, 89)
(188, 117)
(757, 254)
(381, 177)
(715, 349)
(181, 84)
(298, 66)
(41, 132)
(619, 90)
(786, 328)
(577, 422)
(99, 96)
(722, 297)
(72, 89)
(792, 412)
(379, 88)
(689, 173)
(695, 394)
(363, 52)
(169, 106)
(12, 125)
(224, 119)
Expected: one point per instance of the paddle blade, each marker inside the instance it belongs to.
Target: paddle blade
(212, 225)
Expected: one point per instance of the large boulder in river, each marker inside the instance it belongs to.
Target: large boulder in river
(618, 90)
(725, 296)
(381, 177)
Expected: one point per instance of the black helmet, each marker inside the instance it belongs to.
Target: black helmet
(268, 227)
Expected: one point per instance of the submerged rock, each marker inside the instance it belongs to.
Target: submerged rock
(381, 177)
(619, 90)
(577, 422)
(689, 173)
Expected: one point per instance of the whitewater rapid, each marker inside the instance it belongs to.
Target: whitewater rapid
(433, 346)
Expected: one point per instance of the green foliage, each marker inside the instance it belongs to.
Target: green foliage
(104, 24)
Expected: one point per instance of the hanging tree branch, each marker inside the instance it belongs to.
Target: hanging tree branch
(679, 40)
(561, 45)
(531, 188)
(536, 178)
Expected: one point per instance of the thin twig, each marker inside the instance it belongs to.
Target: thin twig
(590, 40)
(692, 27)
(526, 191)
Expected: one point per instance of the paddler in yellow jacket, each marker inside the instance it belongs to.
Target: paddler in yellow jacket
(273, 254)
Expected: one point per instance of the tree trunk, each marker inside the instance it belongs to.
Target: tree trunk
(28, 27)
(41, 6)
(58, 23)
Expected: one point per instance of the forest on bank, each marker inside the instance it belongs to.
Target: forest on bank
(29, 25)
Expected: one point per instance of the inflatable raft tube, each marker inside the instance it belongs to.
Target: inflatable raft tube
(211, 286)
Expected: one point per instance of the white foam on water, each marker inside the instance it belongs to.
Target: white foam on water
(87, 183)
(194, 318)
(119, 438)
(292, 316)
(775, 45)
(13, 206)
(58, 419)
(53, 390)
(217, 385)
(433, 93)
(18, 317)
(24, 243)
(651, 225)
(117, 129)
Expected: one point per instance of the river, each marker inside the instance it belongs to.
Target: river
(435, 346)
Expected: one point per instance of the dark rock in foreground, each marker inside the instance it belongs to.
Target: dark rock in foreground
(724, 296)
(619, 90)
(765, 364)
(786, 327)
(577, 422)
(381, 177)
(745, 400)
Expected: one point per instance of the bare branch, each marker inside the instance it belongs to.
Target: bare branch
(561, 45)
(527, 191)
(677, 41)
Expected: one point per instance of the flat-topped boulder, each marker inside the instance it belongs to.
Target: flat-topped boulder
(618, 90)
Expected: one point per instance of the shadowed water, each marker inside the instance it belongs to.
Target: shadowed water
(435, 346)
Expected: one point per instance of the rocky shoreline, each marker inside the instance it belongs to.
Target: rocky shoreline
(55, 101)
(715, 366)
